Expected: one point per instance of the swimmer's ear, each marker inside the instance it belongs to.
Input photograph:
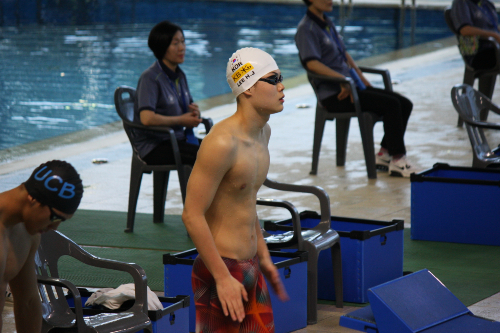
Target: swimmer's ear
(33, 201)
(247, 93)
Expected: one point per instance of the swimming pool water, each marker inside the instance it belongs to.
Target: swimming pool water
(62, 60)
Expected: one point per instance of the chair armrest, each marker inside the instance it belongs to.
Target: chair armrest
(386, 75)
(137, 272)
(208, 122)
(324, 199)
(483, 124)
(293, 211)
(80, 323)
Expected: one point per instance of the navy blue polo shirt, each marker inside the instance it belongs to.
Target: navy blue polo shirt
(165, 92)
(479, 14)
(315, 42)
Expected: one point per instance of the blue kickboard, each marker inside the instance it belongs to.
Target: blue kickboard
(418, 302)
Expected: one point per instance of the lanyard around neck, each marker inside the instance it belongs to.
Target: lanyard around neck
(333, 36)
(179, 91)
(487, 13)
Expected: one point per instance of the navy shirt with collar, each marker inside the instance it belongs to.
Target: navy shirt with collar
(479, 14)
(314, 42)
(164, 92)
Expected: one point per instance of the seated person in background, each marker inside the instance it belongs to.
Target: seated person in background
(322, 51)
(220, 213)
(50, 196)
(474, 19)
(163, 99)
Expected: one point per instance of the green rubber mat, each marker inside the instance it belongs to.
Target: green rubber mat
(471, 272)
(87, 276)
(106, 228)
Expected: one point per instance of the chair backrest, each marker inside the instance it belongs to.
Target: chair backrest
(53, 246)
(324, 201)
(449, 21)
(471, 105)
(124, 104)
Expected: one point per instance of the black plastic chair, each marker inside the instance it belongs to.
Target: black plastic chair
(58, 316)
(366, 122)
(124, 103)
(487, 77)
(314, 241)
(471, 106)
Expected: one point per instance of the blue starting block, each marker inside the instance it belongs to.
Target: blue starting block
(418, 302)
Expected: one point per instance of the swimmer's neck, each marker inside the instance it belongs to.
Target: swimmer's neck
(11, 202)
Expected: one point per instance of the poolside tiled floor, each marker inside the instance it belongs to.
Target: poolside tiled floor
(432, 136)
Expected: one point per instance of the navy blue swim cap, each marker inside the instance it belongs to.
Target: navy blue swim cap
(57, 185)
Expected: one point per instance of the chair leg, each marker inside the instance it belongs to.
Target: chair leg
(337, 275)
(342, 133)
(160, 186)
(183, 179)
(486, 86)
(312, 285)
(366, 127)
(468, 79)
(319, 127)
(135, 186)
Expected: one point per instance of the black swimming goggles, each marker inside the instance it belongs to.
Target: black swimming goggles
(274, 79)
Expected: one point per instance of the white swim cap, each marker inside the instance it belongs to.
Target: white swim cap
(246, 66)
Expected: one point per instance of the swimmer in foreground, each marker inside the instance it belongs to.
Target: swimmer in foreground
(50, 196)
(220, 209)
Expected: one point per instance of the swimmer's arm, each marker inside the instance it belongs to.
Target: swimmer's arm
(267, 266)
(188, 119)
(204, 181)
(27, 307)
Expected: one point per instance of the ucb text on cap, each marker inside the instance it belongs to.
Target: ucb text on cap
(56, 184)
(53, 183)
(246, 66)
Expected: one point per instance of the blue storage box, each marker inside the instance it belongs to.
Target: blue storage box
(418, 302)
(288, 316)
(456, 204)
(173, 318)
(372, 253)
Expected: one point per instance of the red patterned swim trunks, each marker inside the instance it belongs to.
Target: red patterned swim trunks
(209, 315)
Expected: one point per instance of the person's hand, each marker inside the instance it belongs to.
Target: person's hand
(194, 108)
(497, 37)
(190, 119)
(345, 91)
(231, 295)
(271, 273)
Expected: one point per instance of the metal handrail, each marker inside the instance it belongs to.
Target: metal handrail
(402, 18)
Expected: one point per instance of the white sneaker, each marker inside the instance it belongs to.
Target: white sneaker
(8, 295)
(382, 161)
(401, 168)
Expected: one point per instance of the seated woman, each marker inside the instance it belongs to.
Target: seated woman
(474, 19)
(322, 51)
(163, 99)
